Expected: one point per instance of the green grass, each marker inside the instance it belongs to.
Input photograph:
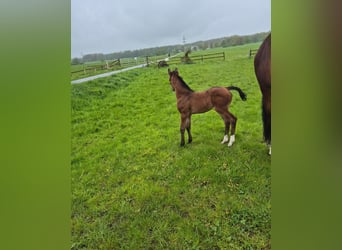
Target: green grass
(133, 187)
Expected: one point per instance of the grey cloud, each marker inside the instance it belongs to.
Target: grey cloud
(106, 26)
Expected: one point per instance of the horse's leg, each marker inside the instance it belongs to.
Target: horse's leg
(185, 121)
(188, 128)
(266, 117)
(233, 120)
(182, 129)
(226, 130)
(225, 117)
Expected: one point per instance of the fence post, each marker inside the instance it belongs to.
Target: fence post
(224, 56)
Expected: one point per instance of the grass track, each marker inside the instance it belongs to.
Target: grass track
(133, 187)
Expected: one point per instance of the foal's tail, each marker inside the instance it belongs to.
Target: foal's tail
(242, 94)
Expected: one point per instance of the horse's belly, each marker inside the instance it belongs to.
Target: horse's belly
(201, 107)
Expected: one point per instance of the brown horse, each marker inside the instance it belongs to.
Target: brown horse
(190, 102)
(262, 67)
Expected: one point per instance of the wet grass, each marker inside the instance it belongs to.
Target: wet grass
(133, 187)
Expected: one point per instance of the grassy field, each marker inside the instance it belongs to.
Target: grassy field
(134, 187)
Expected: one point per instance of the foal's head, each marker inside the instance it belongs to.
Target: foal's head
(177, 82)
(172, 74)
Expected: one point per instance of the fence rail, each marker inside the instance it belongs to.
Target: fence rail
(199, 57)
(252, 52)
(128, 62)
(106, 65)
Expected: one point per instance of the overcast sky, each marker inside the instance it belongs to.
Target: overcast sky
(106, 26)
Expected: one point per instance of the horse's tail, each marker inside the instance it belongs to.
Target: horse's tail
(242, 94)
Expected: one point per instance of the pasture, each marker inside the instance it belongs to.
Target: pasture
(134, 187)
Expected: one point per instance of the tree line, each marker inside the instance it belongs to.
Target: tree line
(172, 49)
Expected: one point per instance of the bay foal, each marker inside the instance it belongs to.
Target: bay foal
(190, 102)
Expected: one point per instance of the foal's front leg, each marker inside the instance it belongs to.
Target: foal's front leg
(188, 128)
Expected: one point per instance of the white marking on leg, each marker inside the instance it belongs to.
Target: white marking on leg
(225, 139)
(269, 152)
(231, 140)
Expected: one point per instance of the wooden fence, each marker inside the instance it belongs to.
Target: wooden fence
(252, 52)
(222, 55)
(128, 62)
(106, 65)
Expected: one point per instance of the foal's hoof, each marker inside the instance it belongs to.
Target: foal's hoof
(225, 139)
(231, 140)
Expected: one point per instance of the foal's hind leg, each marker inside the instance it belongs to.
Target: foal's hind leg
(185, 124)
(226, 119)
(233, 120)
(226, 130)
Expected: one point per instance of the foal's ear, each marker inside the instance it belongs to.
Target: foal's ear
(176, 71)
(168, 71)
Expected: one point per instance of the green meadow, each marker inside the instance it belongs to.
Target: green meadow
(134, 187)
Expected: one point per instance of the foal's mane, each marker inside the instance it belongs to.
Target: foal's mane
(184, 83)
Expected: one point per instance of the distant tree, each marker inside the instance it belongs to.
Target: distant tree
(236, 40)
(224, 43)
(164, 50)
(76, 61)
